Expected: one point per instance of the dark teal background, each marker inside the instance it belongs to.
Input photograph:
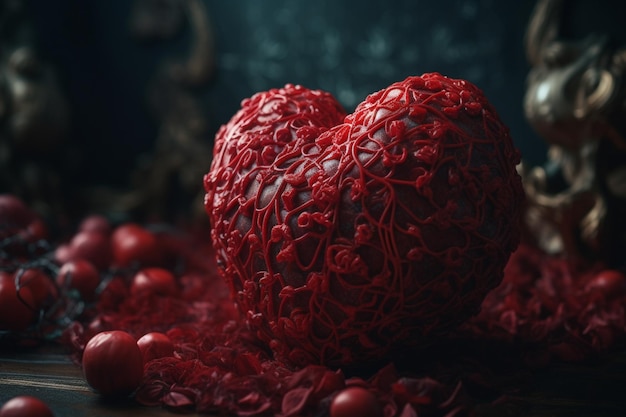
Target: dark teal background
(346, 47)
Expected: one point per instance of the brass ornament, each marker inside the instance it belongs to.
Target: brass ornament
(576, 100)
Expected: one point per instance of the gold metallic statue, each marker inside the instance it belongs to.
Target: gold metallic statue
(576, 100)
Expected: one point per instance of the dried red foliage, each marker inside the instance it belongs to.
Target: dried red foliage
(556, 308)
(343, 237)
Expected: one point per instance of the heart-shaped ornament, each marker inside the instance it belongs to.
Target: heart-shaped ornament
(346, 238)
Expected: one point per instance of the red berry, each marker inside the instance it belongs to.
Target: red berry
(63, 253)
(25, 406)
(133, 244)
(95, 223)
(114, 293)
(155, 345)
(607, 284)
(80, 275)
(157, 281)
(14, 215)
(113, 363)
(42, 288)
(36, 230)
(355, 401)
(17, 309)
(18, 221)
(92, 246)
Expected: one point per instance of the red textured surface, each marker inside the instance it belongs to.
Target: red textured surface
(558, 309)
(345, 237)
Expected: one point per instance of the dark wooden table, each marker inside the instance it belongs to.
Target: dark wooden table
(580, 390)
(562, 390)
(55, 379)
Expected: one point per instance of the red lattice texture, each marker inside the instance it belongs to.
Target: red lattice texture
(344, 238)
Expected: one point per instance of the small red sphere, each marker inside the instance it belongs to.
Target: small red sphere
(25, 406)
(18, 221)
(80, 275)
(608, 283)
(41, 287)
(135, 244)
(92, 246)
(113, 293)
(95, 223)
(157, 281)
(113, 363)
(36, 230)
(155, 345)
(355, 401)
(15, 215)
(63, 253)
(17, 308)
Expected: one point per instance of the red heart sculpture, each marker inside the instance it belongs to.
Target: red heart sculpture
(346, 238)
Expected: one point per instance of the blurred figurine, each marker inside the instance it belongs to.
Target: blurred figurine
(34, 116)
(576, 100)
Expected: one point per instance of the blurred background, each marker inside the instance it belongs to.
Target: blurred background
(125, 69)
(345, 47)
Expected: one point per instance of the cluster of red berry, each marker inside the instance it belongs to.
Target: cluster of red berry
(47, 290)
(44, 284)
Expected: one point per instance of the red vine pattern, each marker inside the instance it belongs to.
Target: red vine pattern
(344, 237)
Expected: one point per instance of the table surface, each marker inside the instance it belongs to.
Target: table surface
(591, 390)
(55, 379)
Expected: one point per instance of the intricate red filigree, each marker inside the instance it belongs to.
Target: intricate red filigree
(343, 237)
